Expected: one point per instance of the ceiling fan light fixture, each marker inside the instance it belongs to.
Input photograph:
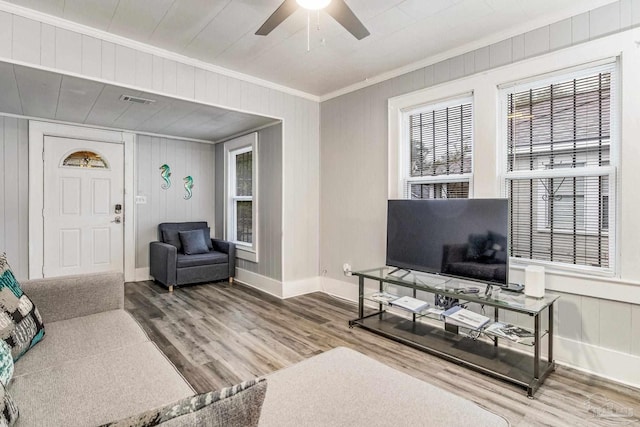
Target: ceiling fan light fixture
(313, 4)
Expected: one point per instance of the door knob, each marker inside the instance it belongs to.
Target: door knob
(117, 220)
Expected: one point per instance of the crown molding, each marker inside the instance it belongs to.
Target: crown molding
(576, 9)
(143, 47)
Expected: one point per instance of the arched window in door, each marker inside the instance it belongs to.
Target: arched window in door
(85, 159)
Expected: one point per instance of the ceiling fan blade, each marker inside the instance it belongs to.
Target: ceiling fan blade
(282, 12)
(339, 10)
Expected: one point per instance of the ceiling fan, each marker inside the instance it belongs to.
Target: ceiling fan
(338, 9)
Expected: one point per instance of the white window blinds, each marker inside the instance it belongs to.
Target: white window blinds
(439, 147)
(560, 177)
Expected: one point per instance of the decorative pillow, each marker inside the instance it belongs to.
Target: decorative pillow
(172, 237)
(193, 242)
(20, 322)
(207, 237)
(237, 406)
(6, 363)
(8, 409)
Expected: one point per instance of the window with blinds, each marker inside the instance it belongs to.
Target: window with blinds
(559, 172)
(439, 147)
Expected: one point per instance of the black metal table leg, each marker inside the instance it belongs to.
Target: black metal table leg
(361, 296)
(536, 356)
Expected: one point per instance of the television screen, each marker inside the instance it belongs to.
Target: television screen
(456, 237)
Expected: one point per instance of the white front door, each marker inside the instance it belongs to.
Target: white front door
(83, 189)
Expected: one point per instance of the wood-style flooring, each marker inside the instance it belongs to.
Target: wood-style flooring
(220, 334)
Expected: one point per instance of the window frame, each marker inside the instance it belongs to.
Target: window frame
(404, 154)
(233, 148)
(610, 170)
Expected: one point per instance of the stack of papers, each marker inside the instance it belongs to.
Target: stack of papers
(385, 297)
(465, 318)
(509, 331)
(411, 304)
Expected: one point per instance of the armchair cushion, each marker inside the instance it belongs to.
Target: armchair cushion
(207, 237)
(193, 242)
(208, 258)
(172, 237)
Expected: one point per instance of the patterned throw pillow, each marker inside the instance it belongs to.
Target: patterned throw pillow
(237, 406)
(20, 322)
(6, 363)
(8, 409)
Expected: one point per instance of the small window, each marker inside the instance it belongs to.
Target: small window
(437, 150)
(85, 159)
(241, 195)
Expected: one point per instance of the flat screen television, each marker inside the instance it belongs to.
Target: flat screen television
(464, 238)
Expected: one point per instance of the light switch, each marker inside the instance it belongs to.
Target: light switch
(141, 200)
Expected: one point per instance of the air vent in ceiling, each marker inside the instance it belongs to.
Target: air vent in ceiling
(136, 99)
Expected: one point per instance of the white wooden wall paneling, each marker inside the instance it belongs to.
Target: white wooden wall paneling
(14, 184)
(73, 52)
(593, 321)
(184, 158)
(47, 45)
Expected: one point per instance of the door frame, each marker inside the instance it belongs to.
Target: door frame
(37, 131)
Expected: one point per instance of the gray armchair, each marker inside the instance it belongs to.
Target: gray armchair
(171, 266)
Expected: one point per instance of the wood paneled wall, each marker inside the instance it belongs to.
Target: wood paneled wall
(354, 163)
(269, 203)
(14, 193)
(184, 158)
(135, 65)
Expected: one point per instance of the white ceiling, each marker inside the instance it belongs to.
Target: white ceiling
(221, 32)
(42, 94)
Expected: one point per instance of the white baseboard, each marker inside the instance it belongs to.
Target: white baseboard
(277, 288)
(260, 282)
(300, 287)
(142, 274)
(603, 362)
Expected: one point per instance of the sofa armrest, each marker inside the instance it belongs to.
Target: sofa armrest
(228, 248)
(162, 262)
(66, 297)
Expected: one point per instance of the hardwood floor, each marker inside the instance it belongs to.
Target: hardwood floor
(220, 334)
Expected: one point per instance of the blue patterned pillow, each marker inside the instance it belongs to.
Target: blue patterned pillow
(8, 409)
(6, 363)
(239, 405)
(20, 323)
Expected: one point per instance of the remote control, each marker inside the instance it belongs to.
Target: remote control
(470, 290)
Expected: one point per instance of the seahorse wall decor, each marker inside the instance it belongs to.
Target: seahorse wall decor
(166, 176)
(188, 185)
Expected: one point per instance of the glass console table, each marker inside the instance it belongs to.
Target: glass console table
(476, 349)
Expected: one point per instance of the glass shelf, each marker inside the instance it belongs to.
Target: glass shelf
(458, 288)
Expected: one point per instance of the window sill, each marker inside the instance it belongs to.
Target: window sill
(246, 253)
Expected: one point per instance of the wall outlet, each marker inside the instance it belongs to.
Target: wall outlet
(346, 268)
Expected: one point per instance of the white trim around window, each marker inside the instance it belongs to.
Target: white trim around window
(400, 109)
(583, 243)
(232, 149)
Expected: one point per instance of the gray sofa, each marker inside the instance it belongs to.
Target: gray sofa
(96, 365)
(169, 265)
